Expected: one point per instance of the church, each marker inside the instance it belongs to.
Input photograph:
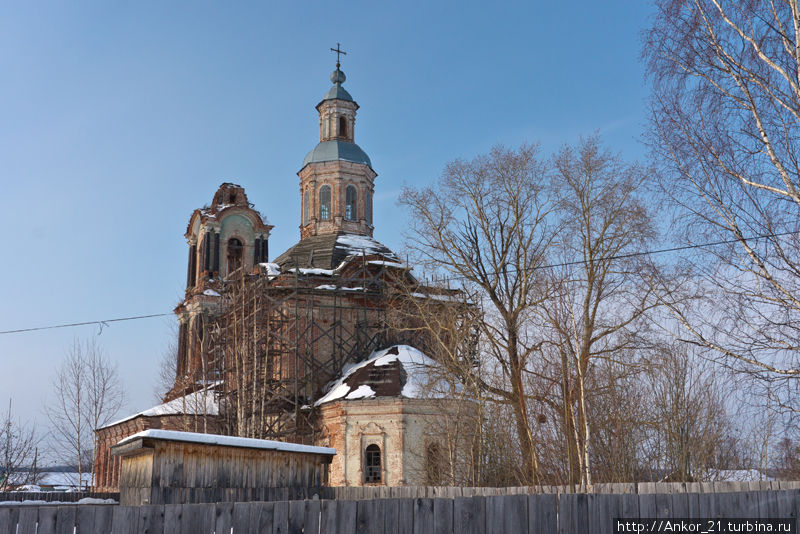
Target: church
(319, 346)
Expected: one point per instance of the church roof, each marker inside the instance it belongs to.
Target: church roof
(399, 371)
(337, 92)
(337, 150)
(330, 250)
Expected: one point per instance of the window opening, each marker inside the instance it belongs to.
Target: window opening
(372, 464)
(325, 202)
(342, 127)
(234, 254)
(305, 207)
(350, 203)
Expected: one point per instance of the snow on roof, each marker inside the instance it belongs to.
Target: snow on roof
(273, 269)
(355, 244)
(66, 479)
(202, 402)
(414, 363)
(229, 441)
(310, 270)
(398, 265)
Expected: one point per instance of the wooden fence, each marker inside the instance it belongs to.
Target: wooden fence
(562, 513)
(431, 492)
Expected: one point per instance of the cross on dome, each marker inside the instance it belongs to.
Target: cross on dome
(338, 51)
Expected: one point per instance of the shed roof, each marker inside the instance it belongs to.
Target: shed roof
(228, 441)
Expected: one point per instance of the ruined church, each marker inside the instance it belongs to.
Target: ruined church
(308, 347)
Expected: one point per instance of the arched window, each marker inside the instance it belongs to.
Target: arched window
(434, 465)
(372, 464)
(342, 127)
(305, 207)
(350, 196)
(234, 254)
(369, 208)
(325, 202)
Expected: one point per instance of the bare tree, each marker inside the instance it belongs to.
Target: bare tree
(725, 127)
(691, 433)
(484, 223)
(603, 293)
(88, 393)
(18, 449)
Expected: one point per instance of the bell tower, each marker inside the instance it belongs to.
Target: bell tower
(337, 179)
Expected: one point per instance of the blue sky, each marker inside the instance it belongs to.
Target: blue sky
(119, 119)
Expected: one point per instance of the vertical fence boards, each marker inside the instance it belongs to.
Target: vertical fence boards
(312, 515)
(448, 513)
(223, 517)
(151, 519)
(573, 513)
(423, 516)
(346, 517)
(443, 515)
(469, 515)
(280, 524)
(369, 514)
(297, 517)
(65, 520)
(542, 510)
(48, 516)
(28, 516)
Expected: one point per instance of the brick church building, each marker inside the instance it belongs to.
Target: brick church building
(311, 347)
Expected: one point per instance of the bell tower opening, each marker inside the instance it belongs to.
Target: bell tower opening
(343, 127)
(234, 254)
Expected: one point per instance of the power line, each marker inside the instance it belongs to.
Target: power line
(644, 253)
(101, 323)
(105, 322)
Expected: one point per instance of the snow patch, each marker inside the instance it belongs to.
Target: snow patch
(36, 502)
(211, 293)
(387, 263)
(414, 362)
(324, 272)
(273, 269)
(202, 402)
(362, 392)
(228, 441)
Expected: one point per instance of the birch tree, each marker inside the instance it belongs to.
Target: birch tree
(725, 129)
(87, 395)
(603, 294)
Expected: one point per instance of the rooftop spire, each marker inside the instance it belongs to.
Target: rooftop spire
(338, 51)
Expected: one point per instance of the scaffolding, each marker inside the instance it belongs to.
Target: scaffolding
(280, 338)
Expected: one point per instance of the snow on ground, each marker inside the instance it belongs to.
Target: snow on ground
(229, 441)
(202, 402)
(85, 500)
(414, 362)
